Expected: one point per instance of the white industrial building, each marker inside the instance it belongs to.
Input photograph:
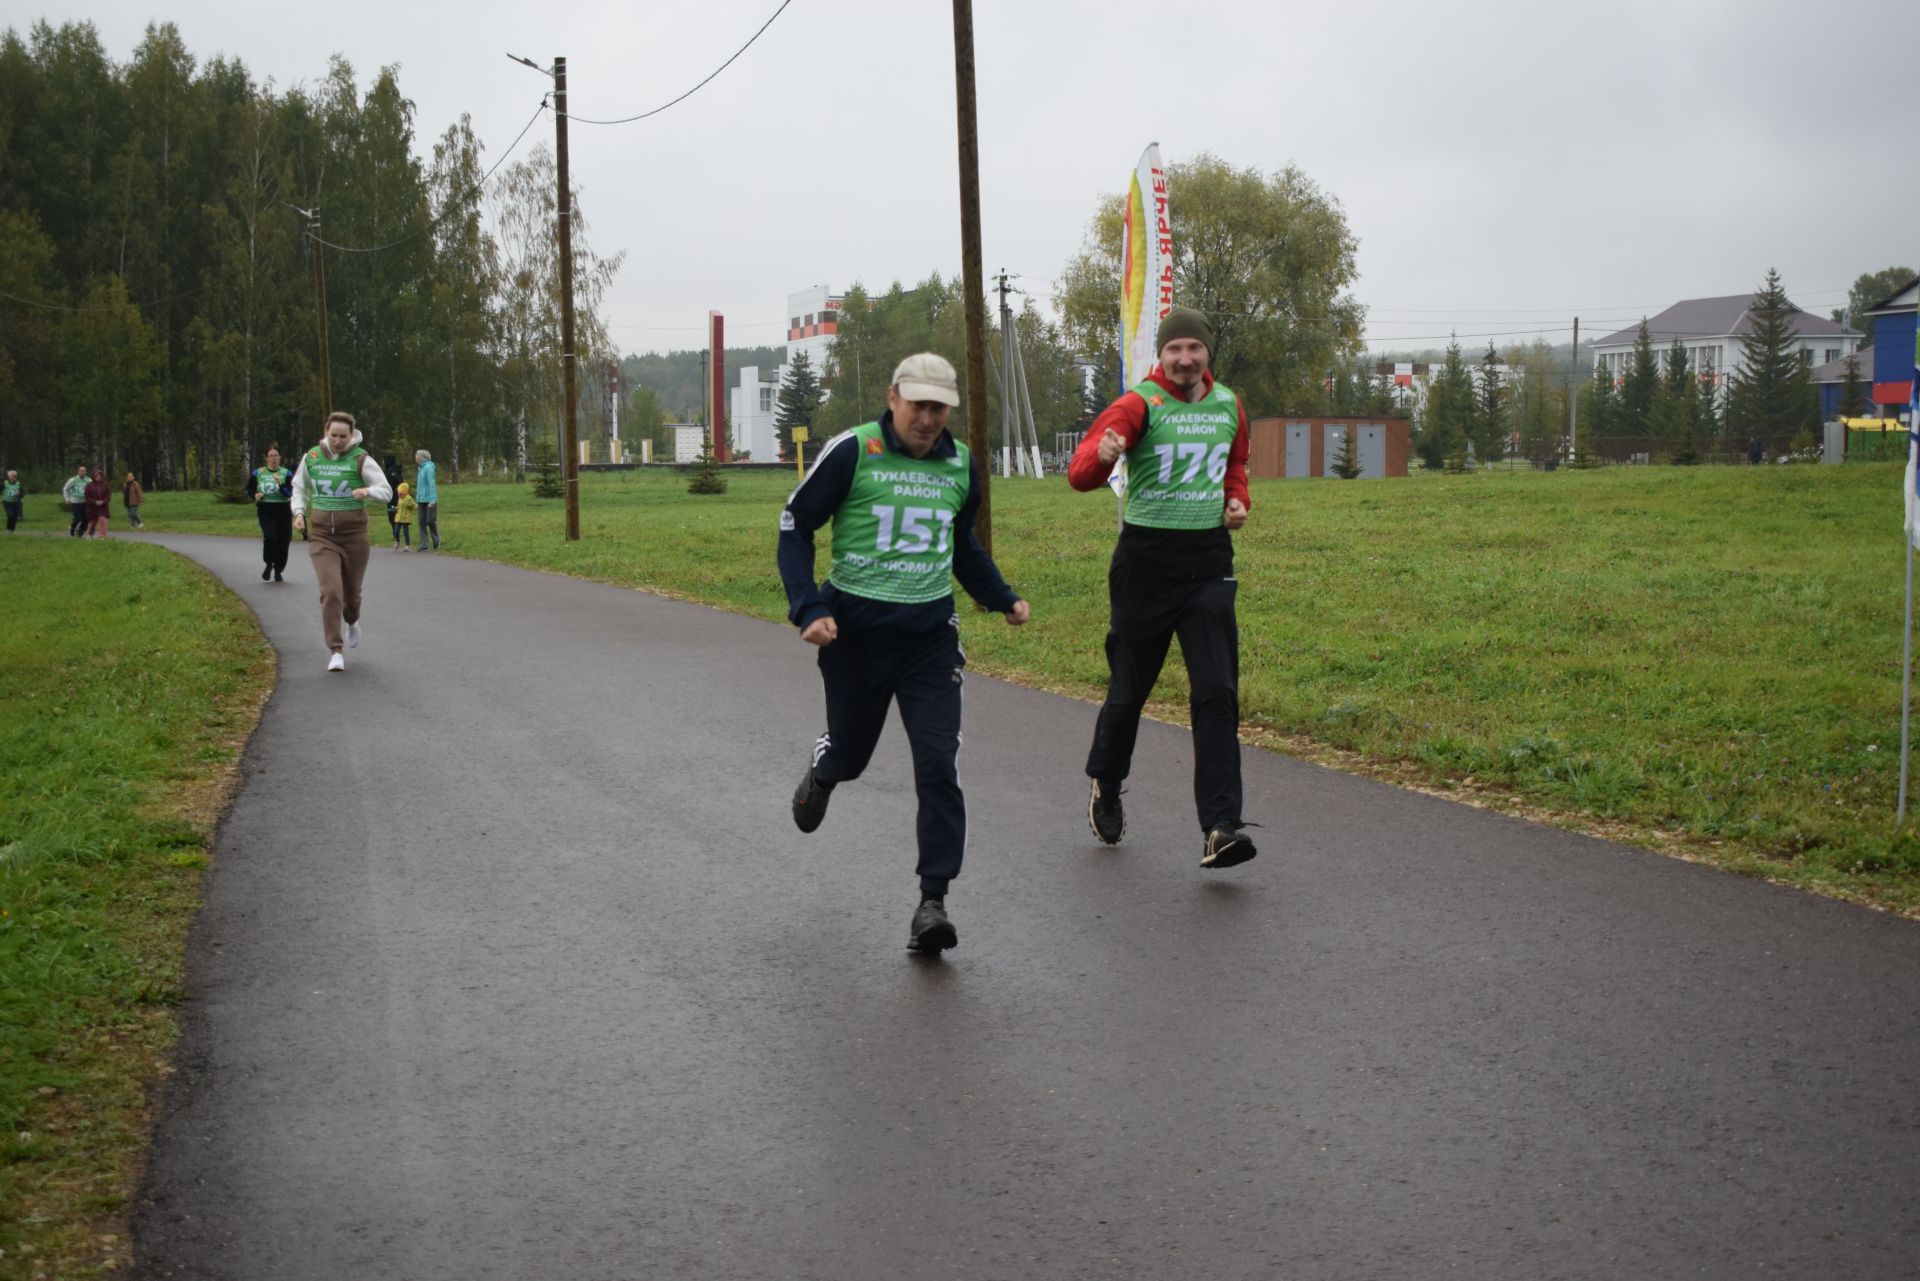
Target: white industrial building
(813, 316)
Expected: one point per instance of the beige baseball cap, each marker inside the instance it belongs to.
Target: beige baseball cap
(927, 377)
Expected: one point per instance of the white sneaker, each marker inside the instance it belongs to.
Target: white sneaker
(353, 636)
(338, 663)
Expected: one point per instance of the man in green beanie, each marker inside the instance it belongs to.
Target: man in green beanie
(1184, 437)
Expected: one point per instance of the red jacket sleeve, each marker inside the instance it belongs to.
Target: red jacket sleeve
(1127, 416)
(1236, 484)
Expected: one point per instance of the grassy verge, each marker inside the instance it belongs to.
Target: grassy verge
(1701, 659)
(130, 680)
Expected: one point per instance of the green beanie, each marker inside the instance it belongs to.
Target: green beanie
(1184, 322)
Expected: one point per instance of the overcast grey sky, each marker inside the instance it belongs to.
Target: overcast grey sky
(1503, 164)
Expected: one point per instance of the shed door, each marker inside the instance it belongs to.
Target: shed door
(1373, 451)
(1299, 449)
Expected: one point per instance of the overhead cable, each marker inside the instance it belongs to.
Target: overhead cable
(627, 120)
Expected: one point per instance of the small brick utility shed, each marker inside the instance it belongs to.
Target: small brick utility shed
(1308, 446)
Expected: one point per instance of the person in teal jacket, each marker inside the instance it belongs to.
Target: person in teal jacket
(426, 494)
(74, 495)
(13, 494)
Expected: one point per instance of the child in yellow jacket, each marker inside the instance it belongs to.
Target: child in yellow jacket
(403, 518)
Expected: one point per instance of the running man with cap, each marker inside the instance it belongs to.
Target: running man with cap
(1184, 437)
(901, 494)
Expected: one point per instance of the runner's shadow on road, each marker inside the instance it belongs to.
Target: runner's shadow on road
(933, 971)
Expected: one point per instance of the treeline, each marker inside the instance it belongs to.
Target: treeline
(157, 274)
(1661, 407)
(876, 331)
(674, 378)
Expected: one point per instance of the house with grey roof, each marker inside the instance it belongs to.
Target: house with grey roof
(1712, 329)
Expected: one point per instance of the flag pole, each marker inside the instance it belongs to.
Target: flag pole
(1906, 693)
(1906, 649)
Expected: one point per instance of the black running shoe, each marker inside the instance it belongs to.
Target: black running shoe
(810, 802)
(277, 578)
(931, 932)
(266, 573)
(1104, 813)
(1227, 847)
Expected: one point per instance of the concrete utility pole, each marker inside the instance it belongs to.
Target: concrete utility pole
(1006, 378)
(973, 281)
(570, 429)
(1573, 392)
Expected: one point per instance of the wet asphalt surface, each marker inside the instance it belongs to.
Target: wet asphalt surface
(512, 965)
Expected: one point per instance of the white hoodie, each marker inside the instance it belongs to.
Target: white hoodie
(378, 490)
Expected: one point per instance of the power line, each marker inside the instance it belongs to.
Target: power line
(477, 187)
(627, 120)
(102, 311)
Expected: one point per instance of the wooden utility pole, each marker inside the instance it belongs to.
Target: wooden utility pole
(569, 430)
(973, 280)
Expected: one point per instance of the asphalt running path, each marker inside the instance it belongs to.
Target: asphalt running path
(512, 965)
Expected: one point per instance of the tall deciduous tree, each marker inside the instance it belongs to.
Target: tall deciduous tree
(530, 338)
(465, 278)
(1870, 288)
(1267, 257)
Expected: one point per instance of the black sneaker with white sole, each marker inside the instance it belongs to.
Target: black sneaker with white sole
(931, 933)
(810, 802)
(1105, 815)
(1227, 847)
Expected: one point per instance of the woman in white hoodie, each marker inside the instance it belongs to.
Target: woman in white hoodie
(334, 482)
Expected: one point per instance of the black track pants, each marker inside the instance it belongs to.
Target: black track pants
(1148, 611)
(863, 673)
(276, 534)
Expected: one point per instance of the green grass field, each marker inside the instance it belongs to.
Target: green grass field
(129, 679)
(1701, 659)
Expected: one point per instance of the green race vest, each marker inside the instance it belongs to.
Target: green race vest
(10, 492)
(273, 484)
(1177, 470)
(893, 536)
(333, 480)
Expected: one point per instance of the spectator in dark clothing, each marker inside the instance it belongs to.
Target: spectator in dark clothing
(132, 496)
(395, 474)
(99, 496)
(1755, 451)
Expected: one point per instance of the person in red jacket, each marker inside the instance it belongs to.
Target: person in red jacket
(99, 495)
(1184, 437)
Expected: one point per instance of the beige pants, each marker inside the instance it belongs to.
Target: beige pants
(337, 545)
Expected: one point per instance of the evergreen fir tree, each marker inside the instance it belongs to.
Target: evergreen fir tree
(1770, 398)
(706, 477)
(1346, 458)
(233, 474)
(1853, 392)
(799, 402)
(1448, 421)
(1676, 407)
(1490, 416)
(1599, 419)
(1642, 382)
(547, 481)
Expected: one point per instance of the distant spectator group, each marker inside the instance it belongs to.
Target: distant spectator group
(87, 496)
